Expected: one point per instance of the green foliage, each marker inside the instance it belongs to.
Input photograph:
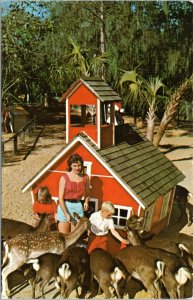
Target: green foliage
(46, 45)
(141, 93)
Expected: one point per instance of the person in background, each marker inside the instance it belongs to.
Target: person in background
(45, 205)
(7, 121)
(73, 186)
(101, 223)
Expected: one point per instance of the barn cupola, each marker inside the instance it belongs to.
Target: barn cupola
(90, 108)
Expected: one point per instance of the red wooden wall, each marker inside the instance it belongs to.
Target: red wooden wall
(103, 188)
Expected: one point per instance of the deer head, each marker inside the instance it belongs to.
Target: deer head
(43, 223)
(135, 222)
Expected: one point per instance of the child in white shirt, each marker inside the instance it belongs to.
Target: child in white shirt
(101, 223)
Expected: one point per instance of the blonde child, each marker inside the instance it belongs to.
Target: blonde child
(101, 223)
(45, 205)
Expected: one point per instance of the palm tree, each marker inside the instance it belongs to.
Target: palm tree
(84, 65)
(136, 92)
(77, 58)
(96, 64)
(152, 86)
(172, 107)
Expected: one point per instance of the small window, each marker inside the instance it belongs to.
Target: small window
(87, 169)
(122, 213)
(165, 204)
(81, 115)
(148, 217)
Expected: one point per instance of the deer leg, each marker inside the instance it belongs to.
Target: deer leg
(5, 272)
(105, 287)
(157, 288)
(42, 286)
(170, 284)
(188, 214)
(115, 285)
(152, 287)
(34, 283)
(70, 287)
(151, 284)
(180, 291)
(33, 292)
(42, 292)
(84, 283)
(68, 292)
(63, 288)
(57, 282)
(99, 291)
(170, 289)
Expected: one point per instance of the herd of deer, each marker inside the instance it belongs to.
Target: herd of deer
(161, 265)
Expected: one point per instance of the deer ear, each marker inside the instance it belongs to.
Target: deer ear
(141, 219)
(76, 216)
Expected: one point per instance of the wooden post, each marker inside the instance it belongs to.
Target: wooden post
(34, 124)
(30, 129)
(15, 144)
(2, 151)
(23, 136)
(27, 131)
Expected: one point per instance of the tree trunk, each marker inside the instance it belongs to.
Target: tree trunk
(102, 36)
(135, 116)
(171, 110)
(150, 123)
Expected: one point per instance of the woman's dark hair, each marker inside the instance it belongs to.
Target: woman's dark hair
(74, 158)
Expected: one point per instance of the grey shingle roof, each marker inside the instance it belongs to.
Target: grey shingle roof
(140, 165)
(102, 89)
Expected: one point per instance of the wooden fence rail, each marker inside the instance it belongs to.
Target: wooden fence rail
(24, 131)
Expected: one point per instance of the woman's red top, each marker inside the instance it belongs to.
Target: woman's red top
(48, 208)
(74, 190)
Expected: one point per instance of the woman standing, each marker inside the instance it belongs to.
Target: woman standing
(73, 186)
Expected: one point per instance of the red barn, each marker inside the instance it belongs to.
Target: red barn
(124, 167)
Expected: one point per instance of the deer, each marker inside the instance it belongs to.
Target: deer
(74, 271)
(178, 244)
(24, 248)
(71, 269)
(107, 271)
(11, 228)
(144, 266)
(176, 271)
(182, 198)
(179, 238)
(181, 241)
(45, 268)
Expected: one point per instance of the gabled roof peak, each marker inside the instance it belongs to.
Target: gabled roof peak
(97, 86)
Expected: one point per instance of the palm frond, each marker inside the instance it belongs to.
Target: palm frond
(128, 76)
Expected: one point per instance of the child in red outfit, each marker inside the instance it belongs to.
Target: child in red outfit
(45, 205)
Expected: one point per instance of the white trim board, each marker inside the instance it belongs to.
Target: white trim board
(92, 175)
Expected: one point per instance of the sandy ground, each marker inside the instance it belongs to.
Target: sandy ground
(177, 144)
